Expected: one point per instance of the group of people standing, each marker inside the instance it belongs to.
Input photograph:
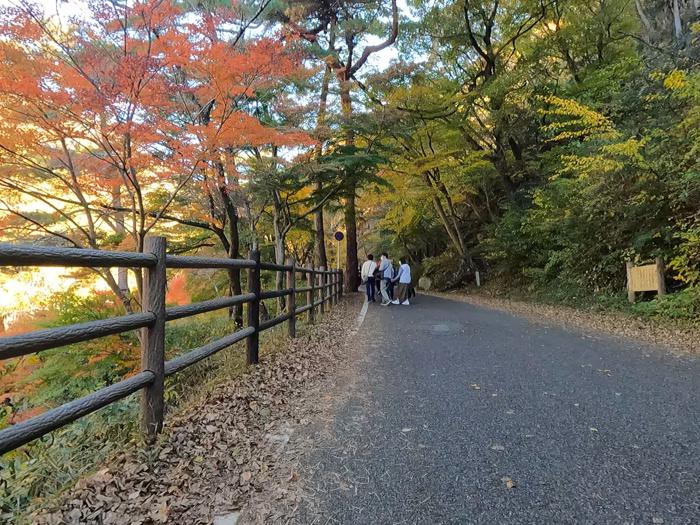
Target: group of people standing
(393, 285)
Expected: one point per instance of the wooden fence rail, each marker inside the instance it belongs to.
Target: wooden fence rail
(152, 322)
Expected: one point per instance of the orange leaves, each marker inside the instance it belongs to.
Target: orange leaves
(238, 129)
(177, 291)
(260, 64)
(149, 80)
(29, 413)
(140, 97)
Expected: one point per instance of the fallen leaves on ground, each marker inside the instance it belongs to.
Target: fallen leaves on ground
(508, 482)
(214, 455)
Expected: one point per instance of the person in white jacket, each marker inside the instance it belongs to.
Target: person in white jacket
(367, 274)
(403, 277)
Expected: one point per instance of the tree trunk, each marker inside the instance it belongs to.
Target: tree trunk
(123, 297)
(677, 23)
(352, 276)
(120, 230)
(501, 162)
(319, 233)
(234, 245)
(321, 258)
(280, 235)
(649, 31)
(450, 225)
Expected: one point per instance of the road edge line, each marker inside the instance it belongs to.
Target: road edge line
(363, 313)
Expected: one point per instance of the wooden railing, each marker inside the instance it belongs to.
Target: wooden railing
(322, 286)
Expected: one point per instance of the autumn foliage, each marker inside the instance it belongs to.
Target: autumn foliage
(137, 97)
(110, 117)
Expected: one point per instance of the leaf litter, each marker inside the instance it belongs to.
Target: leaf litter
(213, 456)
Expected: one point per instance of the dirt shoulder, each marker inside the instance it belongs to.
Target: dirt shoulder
(677, 337)
(288, 496)
(225, 449)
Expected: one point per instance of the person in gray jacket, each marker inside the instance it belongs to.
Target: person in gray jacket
(386, 271)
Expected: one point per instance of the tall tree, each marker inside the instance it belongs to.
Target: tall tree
(352, 23)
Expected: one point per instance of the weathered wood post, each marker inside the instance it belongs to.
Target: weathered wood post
(253, 341)
(310, 295)
(342, 282)
(153, 339)
(660, 275)
(291, 300)
(322, 287)
(630, 288)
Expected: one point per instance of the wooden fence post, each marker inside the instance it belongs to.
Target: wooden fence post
(291, 301)
(322, 287)
(630, 291)
(660, 272)
(342, 282)
(310, 295)
(153, 339)
(253, 341)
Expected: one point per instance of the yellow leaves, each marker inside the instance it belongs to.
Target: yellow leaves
(588, 166)
(675, 80)
(575, 121)
(629, 148)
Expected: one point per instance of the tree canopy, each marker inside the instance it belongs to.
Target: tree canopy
(538, 141)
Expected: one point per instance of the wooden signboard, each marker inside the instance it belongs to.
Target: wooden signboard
(647, 278)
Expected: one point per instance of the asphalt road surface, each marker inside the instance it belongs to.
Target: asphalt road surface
(468, 415)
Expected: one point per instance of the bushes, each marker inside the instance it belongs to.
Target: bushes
(440, 269)
(684, 304)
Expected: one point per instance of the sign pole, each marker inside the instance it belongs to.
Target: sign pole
(339, 236)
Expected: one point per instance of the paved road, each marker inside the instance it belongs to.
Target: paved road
(455, 403)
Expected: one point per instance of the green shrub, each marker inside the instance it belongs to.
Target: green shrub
(70, 307)
(440, 269)
(684, 304)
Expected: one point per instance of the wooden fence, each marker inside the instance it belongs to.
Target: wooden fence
(322, 286)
